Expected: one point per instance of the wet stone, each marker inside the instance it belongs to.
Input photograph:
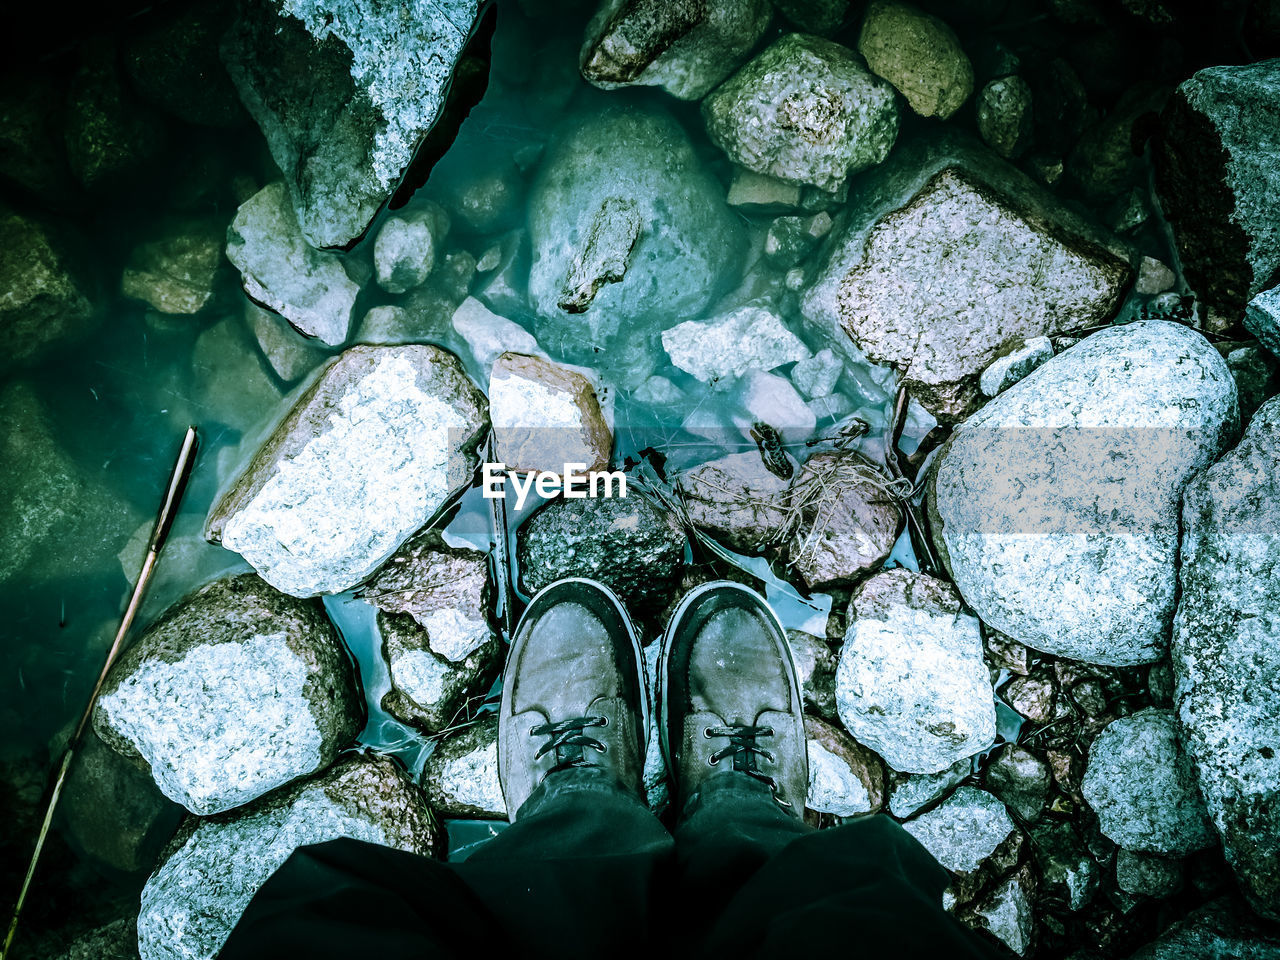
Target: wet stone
(752, 337)
(407, 246)
(816, 667)
(1068, 874)
(1020, 779)
(546, 416)
(817, 376)
(1004, 116)
(175, 273)
(1006, 913)
(489, 335)
(964, 830)
(1262, 319)
(1220, 928)
(1144, 875)
(460, 778)
(919, 55)
(290, 354)
(1007, 370)
(845, 778)
(738, 500)
(236, 690)
(919, 790)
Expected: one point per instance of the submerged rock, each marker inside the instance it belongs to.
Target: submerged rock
(1226, 651)
(845, 778)
(46, 299)
(738, 500)
(805, 111)
(963, 830)
(372, 449)
(1140, 784)
(290, 354)
(949, 259)
(751, 337)
(280, 269)
(110, 137)
(489, 335)
(236, 690)
(684, 47)
(1045, 544)
(407, 246)
(771, 399)
(911, 683)
(919, 55)
(460, 778)
(344, 91)
(1217, 179)
(546, 416)
(848, 522)
(192, 902)
(630, 544)
(175, 273)
(623, 236)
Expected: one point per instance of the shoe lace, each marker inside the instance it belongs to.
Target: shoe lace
(567, 738)
(744, 750)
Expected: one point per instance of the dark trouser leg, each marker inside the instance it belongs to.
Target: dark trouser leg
(574, 876)
(760, 883)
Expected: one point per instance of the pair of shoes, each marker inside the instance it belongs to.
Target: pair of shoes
(575, 695)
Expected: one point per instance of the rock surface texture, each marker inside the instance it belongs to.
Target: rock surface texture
(919, 55)
(460, 778)
(963, 830)
(1217, 178)
(344, 90)
(235, 691)
(930, 275)
(372, 449)
(193, 900)
(1048, 546)
(1226, 651)
(911, 683)
(805, 111)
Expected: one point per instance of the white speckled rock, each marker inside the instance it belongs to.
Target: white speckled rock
(546, 415)
(922, 789)
(460, 778)
(1226, 651)
(845, 778)
(752, 337)
(805, 111)
(235, 691)
(489, 335)
(368, 454)
(1262, 319)
(407, 247)
(912, 684)
(1057, 503)
(195, 897)
(686, 48)
(1007, 370)
(816, 376)
(963, 830)
(1140, 784)
(1006, 912)
(951, 257)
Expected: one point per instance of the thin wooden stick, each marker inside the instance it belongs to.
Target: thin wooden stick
(159, 534)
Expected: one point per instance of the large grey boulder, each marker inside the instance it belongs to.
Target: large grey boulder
(950, 258)
(685, 47)
(805, 111)
(1226, 651)
(281, 270)
(369, 452)
(1217, 176)
(193, 900)
(1140, 784)
(236, 690)
(344, 91)
(1220, 929)
(963, 830)
(1056, 505)
(911, 683)
(46, 299)
(627, 224)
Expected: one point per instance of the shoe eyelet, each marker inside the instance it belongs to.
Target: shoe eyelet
(604, 722)
(706, 732)
(712, 761)
(603, 748)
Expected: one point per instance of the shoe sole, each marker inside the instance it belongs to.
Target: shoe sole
(668, 637)
(506, 707)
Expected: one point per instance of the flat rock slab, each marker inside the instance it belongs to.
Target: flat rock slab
(192, 902)
(546, 415)
(911, 683)
(344, 91)
(1226, 651)
(365, 458)
(1057, 503)
(236, 690)
(1140, 784)
(950, 258)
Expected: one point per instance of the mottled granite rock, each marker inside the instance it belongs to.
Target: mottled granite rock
(1045, 544)
(685, 47)
(911, 683)
(1004, 116)
(919, 790)
(407, 246)
(1020, 779)
(372, 449)
(238, 689)
(963, 830)
(1217, 178)
(845, 778)
(460, 778)
(1068, 874)
(737, 500)
(721, 348)
(1008, 369)
(919, 54)
(949, 258)
(281, 270)
(1145, 875)
(1140, 784)
(1226, 651)
(1220, 929)
(1262, 319)
(175, 273)
(1007, 914)
(805, 111)
(546, 415)
(816, 664)
(344, 91)
(217, 864)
